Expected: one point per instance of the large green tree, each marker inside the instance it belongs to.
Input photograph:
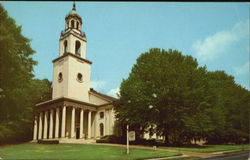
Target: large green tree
(16, 66)
(169, 94)
(18, 90)
(169, 90)
(233, 102)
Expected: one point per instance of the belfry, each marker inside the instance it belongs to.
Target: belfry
(76, 111)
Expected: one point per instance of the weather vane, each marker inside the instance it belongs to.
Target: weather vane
(74, 5)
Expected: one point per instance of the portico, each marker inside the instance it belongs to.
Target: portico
(66, 118)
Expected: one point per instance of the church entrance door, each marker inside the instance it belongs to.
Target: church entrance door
(77, 133)
(101, 129)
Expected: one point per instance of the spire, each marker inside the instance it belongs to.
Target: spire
(74, 6)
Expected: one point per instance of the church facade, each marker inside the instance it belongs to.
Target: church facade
(76, 111)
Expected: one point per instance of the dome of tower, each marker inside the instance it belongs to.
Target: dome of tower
(73, 13)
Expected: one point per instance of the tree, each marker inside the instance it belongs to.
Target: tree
(170, 91)
(16, 65)
(18, 91)
(167, 93)
(233, 101)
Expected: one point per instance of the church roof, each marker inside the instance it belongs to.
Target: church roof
(103, 95)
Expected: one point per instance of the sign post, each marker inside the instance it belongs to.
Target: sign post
(130, 137)
(127, 140)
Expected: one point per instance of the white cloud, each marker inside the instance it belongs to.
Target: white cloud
(244, 69)
(98, 85)
(221, 41)
(114, 92)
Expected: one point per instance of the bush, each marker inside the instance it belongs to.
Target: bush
(48, 141)
(122, 140)
(112, 139)
(15, 132)
(142, 141)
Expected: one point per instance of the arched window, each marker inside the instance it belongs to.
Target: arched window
(65, 44)
(72, 24)
(101, 129)
(77, 25)
(78, 48)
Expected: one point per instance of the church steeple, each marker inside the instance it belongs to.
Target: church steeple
(72, 69)
(73, 39)
(73, 15)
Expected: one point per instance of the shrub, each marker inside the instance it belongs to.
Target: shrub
(112, 139)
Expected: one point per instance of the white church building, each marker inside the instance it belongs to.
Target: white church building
(76, 111)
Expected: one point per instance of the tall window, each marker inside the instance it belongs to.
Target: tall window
(101, 129)
(72, 24)
(77, 25)
(65, 46)
(78, 48)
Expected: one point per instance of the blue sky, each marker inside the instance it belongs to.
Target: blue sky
(217, 34)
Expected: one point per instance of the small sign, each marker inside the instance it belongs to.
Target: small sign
(131, 135)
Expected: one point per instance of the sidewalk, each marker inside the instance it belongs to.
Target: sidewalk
(164, 158)
(184, 153)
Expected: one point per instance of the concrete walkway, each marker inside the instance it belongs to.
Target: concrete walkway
(184, 153)
(164, 158)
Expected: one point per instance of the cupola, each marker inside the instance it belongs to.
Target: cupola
(73, 20)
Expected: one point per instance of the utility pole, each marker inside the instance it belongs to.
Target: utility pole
(127, 140)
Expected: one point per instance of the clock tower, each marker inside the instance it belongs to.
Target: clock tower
(71, 74)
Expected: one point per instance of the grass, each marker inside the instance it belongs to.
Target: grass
(76, 151)
(210, 148)
(187, 158)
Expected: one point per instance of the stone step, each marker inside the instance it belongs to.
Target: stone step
(64, 140)
(77, 141)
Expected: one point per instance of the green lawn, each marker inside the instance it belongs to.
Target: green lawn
(210, 148)
(187, 158)
(76, 151)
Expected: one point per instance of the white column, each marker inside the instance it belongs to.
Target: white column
(35, 129)
(111, 120)
(104, 124)
(81, 123)
(51, 122)
(63, 121)
(40, 126)
(72, 135)
(57, 123)
(95, 125)
(45, 130)
(89, 125)
(107, 121)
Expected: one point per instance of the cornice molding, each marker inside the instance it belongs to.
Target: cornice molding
(73, 55)
(74, 33)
